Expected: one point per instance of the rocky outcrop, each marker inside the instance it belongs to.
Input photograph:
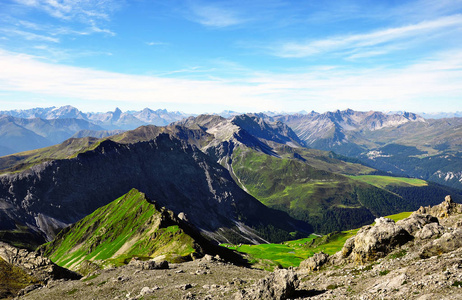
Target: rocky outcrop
(448, 242)
(430, 231)
(445, 209)
(149, 265)
(416, 222)
(34, 264)
(315, 262)
(373, 242)
(279, 285)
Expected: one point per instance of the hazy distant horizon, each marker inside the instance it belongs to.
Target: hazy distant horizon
(232, 112)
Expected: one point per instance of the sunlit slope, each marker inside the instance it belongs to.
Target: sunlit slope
(328, 201)
(127, 227)
(291, 253)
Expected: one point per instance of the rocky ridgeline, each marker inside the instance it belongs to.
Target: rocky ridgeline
(40, 269)
(419, 257)
(34, 264)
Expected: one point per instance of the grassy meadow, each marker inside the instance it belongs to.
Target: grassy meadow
(292, 253)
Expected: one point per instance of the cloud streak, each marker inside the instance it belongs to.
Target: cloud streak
(215, 16)
(89, 12)
(29, 35)
(415, 86)
(367, 40)
(70, 9)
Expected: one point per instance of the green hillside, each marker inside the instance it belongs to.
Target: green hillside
(127, 227)
(327, 200)
(291, 253)
(384, 181)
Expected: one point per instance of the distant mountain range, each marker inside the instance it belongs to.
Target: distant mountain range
(403, 144)
(110, 120)
(20, 134)
(434, 115)
(23, 130)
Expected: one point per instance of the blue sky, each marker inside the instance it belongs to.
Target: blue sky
(208, 56)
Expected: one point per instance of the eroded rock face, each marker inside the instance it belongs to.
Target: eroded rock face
(443, 210)
(416, 222)
(38, 266)
(450, 241)
(150, 264)
(315, 262)
(373, 242)
(281, 284)
(430, 231)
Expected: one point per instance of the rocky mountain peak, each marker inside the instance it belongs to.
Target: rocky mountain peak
(274, 131)
(443, 210)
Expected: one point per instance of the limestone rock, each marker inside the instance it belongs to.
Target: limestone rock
(39, 266)
(416, 222)
(279, 285)
(147, 290)
(430, 231)
(450, 241)
(315, 262)
(150, 264)
(373, 242)
(443, 210)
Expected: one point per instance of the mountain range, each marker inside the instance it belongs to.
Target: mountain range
(22, 130)
(109, 120)
(56, 193)
(230, 161)
(402, 144)
(19, 134)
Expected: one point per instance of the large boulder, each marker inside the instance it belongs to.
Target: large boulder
(315, 262)
(279, 285)
(374, 242)
(430, 231)
(416, 222)
(450, 241)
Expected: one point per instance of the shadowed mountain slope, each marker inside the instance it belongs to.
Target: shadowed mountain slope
(51, 195)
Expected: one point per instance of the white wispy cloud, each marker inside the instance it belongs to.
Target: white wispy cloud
(156, 43)
(71, 9)
(30, 36)
(214, 16)
(426, 86)
(96, 29)
(93, 13)
(367, 40)
(45, 52)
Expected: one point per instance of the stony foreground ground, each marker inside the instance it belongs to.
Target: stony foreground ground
(200, 279)
(398, 276)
